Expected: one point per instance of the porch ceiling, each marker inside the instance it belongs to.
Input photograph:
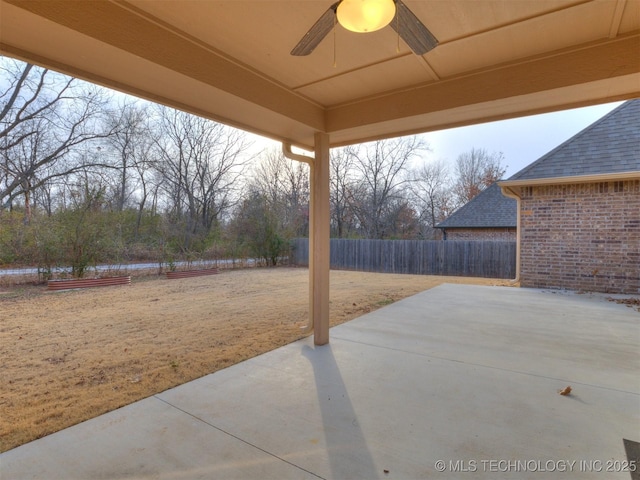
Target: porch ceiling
(229, 60)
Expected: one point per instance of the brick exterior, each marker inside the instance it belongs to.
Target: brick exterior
(498, 234)
(581, 237)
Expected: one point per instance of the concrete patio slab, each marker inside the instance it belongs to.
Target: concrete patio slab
(456, 382)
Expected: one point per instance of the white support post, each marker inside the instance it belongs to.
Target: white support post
(319, 236)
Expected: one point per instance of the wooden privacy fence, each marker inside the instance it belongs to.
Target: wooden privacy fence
(489, 259)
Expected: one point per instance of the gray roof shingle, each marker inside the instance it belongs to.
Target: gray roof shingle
(610, 145)
(489, 209)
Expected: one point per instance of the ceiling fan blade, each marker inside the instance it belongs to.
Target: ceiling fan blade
(412, 30)
(316, 33)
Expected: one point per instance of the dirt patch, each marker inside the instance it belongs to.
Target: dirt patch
(70, 356)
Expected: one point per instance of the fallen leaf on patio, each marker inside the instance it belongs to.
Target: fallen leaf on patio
(565, 391)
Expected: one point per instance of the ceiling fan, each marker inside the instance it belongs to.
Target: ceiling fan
(368, 16)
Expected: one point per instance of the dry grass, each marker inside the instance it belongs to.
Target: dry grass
(69, 356)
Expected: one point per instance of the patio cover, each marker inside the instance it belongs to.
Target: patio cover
(229, 61)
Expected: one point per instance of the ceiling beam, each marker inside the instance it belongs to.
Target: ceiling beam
(578, 66)
(131, 30)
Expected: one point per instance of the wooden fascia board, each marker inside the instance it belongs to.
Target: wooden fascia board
(124, 27)
(580, 65)
(604, 177)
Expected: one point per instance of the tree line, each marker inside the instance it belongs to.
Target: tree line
(89, 176)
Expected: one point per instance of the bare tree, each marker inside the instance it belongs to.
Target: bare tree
(127, 147)
(383, 168)
(404, 222)
(432, 195)
(342, 188)
(201, 163)
(285, 185)
(475, 171)
(47, 122)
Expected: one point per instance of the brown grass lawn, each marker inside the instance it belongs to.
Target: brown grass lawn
(70, 356)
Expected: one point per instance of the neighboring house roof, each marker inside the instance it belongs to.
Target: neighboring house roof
(610, 145)
(488, 209)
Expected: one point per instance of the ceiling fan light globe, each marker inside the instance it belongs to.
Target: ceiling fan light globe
(365, 15)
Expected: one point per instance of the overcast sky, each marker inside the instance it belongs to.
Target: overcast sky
(522, 140)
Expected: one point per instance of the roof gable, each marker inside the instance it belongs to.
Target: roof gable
(489, 209)
(610, 145)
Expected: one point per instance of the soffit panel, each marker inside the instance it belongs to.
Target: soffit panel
(453, 20)
(630, 17)
(363, 83)
(523, 39)
(258, 33)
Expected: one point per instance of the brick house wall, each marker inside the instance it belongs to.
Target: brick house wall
(581, 236)
(497, 234)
